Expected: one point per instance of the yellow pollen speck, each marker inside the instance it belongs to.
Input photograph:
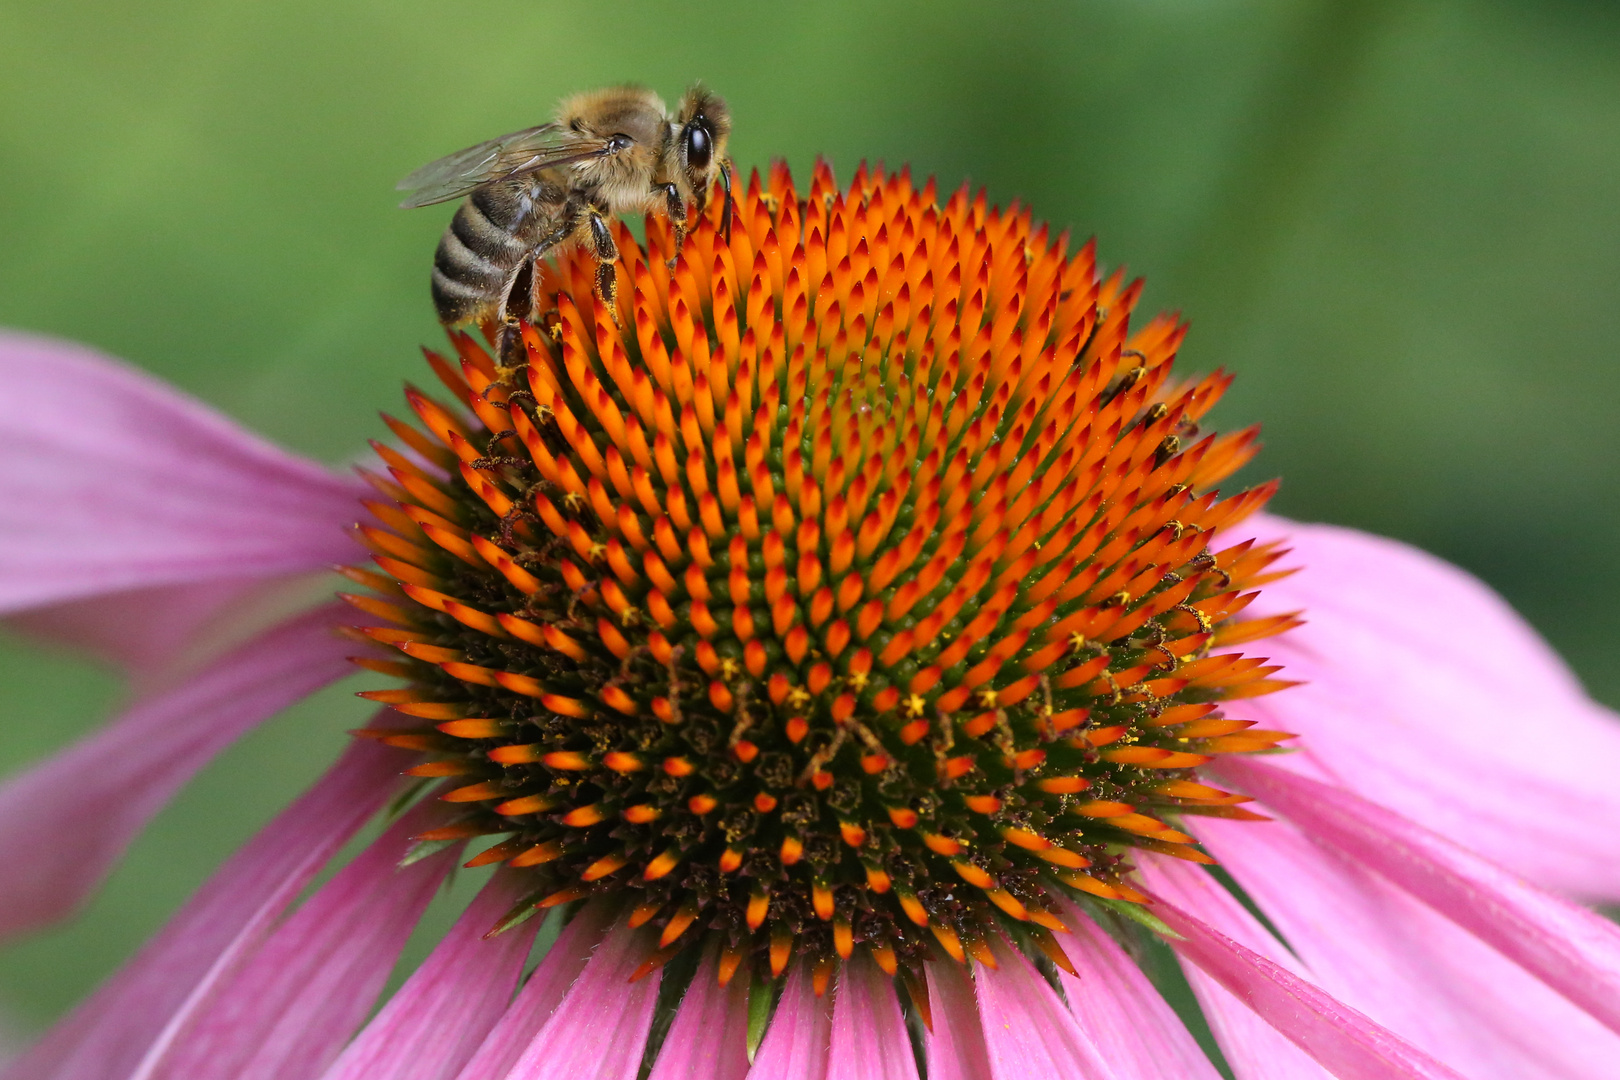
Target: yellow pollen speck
(729, 669)
(1204, 625)
(916, 705)
(798, 697)
(1077, 642)
(858, 680)
(987, 698)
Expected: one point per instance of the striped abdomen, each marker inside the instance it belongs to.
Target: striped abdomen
(493, 232)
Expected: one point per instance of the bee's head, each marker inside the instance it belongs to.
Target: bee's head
(704, 124)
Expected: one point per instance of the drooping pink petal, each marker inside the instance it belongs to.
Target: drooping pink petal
(1571, 949)
(66, 821)
(227, 918)
(955, 1044)
(1404, 593)
(541, 994)
(1028, 1034)
(869, 1039)
(599, 1032)
(157, 632)
(1380, 951)
(1253, 1048)
(1425, 692)
(429, 1029)
(709, 1038)
(1134, 1028)
(1363, 734)
(288, 1009)
(110, 480)
(1257, 971)
(798, 1040)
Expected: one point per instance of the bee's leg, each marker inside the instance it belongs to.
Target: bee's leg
(725, 216)
(607, 255)
(511, 354)
(517, 303)
(676, 207)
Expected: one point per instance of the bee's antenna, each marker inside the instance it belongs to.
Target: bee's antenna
(725, 215)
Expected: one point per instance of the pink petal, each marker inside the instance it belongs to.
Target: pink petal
(1258, 972)
(869, 1038)
(287, 1010)
(709, 1039)
(107, 1035)
(1028, 1033)
(66, 821)
(429, 1029)
(1253, 1048)
(599, 1032)
(1569, 948)
(110, 480)
(1384, 953)
(1422, 690)
(541, 994)
(1134, 1028)
(150, 632)
(1403, 593)
(955, 1044)
(799, 1038)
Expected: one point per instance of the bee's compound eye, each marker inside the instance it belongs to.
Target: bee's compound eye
(698, 146)
(619, 142)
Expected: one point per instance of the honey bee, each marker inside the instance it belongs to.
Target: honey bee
(608, 154)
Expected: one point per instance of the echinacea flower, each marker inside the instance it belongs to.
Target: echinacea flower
(845, 648)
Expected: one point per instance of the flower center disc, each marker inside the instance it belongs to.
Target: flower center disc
(856, 587)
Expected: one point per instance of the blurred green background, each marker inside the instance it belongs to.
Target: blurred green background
(1397, 220)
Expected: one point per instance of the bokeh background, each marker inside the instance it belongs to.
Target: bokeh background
(1397, 220)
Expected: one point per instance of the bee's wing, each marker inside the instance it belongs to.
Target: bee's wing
(511, 155)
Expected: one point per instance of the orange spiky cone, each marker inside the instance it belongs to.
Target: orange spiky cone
(855, 588)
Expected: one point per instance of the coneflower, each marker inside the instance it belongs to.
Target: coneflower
(844, 645)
